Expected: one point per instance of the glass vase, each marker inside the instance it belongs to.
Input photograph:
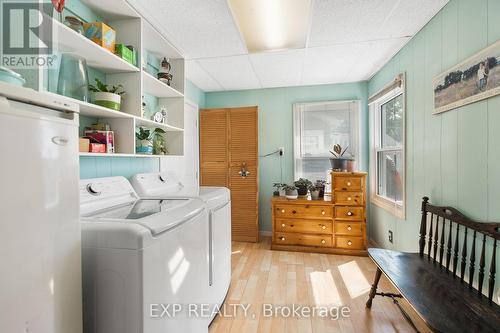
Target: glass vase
(73, 78)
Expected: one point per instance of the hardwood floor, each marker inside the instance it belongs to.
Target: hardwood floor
(261, 276)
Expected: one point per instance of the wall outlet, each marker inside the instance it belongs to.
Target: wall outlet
(391, 237)
(282, 151)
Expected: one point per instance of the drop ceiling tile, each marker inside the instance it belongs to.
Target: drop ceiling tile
(278, 69)
(329, 64)
(408, 17)
(200, 28)
(232, 73)
(196, 74)
(373, 56)
(347, 21)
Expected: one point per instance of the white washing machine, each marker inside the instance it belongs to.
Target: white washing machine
(218, 201)
(139, 257)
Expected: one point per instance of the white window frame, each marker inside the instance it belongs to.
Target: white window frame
(396, 208)
(297, 130)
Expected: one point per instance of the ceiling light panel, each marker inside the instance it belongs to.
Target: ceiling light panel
(272, 24)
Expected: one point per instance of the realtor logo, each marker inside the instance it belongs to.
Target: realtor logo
(26, 34)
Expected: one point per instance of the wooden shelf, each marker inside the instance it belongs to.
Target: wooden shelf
(119, 155)
(149, 123)
(69, 41)
(155, 87)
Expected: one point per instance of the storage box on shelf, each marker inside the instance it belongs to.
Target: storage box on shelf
(333, 225)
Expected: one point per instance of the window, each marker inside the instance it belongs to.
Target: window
(387, 156)
(319, 126)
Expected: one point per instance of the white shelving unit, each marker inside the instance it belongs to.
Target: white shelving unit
(131, 29)
(155, 87)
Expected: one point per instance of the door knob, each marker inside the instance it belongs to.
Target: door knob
(244, 172)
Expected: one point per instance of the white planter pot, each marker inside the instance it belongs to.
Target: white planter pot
(108, 100)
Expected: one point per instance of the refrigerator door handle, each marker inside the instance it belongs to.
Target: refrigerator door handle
(60, 140)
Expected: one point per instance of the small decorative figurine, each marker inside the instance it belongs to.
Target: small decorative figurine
(160, 116)
(164, 72)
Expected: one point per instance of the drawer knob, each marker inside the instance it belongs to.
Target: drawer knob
(349, 198)
(283, 211)
(282, 238)
(323, 227)
(348, 183)
(323, 212)
(349, 213)
(283, 225)
(323, 241)
(294, 212)
(349, 243)
(349, 228)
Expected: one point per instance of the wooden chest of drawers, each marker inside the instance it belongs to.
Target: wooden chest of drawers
(334, 225)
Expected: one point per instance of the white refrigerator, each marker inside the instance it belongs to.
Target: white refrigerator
(40, 245)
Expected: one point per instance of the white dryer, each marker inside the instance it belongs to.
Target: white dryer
(218, 201)
(139, 257)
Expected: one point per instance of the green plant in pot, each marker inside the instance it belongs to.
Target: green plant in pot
(314, 192)
(302, 185)
(339, 161)
(145, 138)
(320, 185)
(108, 96)
(290, 191)
(279, 189)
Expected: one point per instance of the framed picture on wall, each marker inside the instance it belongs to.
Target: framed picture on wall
(474, 79)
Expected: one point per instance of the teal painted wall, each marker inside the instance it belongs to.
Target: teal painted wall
(453, 158)
(276, 127)
(195, 94)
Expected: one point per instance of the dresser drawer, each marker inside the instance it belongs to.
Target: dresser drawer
(349, 213)
(347, 183)
(348, 228)
(348, 198)
(303, 211)
(304, 226)
(301, 239)
(347, 242)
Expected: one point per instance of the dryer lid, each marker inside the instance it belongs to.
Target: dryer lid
(157, 215)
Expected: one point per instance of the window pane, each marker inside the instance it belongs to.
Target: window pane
(321, 130)
(390, 175)
(314, 169)
(392, 123)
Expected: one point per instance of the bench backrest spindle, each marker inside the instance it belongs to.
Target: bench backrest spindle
(455, 251)
(433, 237)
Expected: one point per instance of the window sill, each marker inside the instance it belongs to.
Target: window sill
(389, 206)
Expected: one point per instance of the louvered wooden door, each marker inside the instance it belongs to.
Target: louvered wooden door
(214, 155)
(238, 143)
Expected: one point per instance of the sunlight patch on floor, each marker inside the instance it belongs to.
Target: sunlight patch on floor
(324, 290)
(354, 279)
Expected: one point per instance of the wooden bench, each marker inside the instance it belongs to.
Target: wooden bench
(435, 282)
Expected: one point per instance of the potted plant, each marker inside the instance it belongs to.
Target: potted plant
(290, 191)
(279, 189)
(320, 185)
(314, 192)
(108, 96)
(302, 185)
(145, 138)
(339, 162)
